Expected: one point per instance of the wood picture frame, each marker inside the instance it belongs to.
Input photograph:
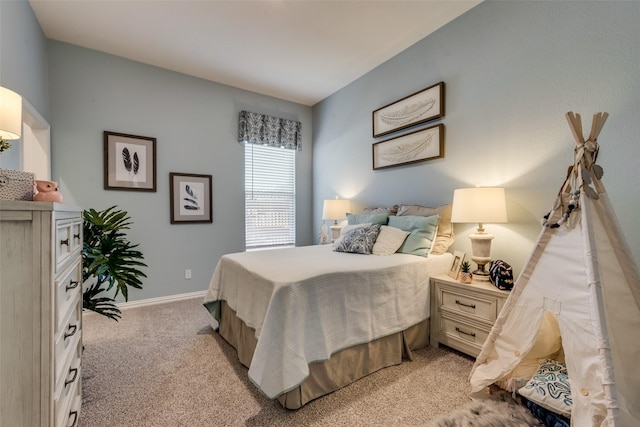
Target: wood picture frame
(190, 196)
(129, 162)
(456, 264)
(419, 107)
(418, 146)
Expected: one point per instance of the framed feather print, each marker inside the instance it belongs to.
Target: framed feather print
(190, 198)
(129, 162)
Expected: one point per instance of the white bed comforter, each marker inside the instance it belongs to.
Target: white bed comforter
(309, 302)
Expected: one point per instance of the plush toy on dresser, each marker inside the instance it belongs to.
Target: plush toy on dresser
(47, 191)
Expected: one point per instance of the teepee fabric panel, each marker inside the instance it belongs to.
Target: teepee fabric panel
(582, 271)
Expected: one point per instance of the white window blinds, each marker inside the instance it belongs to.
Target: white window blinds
(270, 197)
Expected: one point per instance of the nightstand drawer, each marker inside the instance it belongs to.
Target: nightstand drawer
(458, 330)
(484, 308)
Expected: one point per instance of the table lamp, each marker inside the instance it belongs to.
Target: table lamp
(336, 210)
(479, 205)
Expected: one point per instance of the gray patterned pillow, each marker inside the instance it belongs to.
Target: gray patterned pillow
(359, 240)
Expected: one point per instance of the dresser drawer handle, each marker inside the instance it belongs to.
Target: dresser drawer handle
(73, 371)
(71, 331)
(465, 305)
(76, 236)
(73, 414)
(471, 334)
(72, 285)
(64, 242)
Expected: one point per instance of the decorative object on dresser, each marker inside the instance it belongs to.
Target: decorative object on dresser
(419, 146)
(420, 107)
(40, 314)
(456, 264)
(108, 260)
(191, 198)
(479, 205)
(47, 191)
(465, 272)
(462, 315)
(335, 210)
(129, 162)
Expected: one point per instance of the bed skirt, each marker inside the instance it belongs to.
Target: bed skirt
(343, 368)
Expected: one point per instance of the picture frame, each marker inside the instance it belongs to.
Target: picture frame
(190, 196)
(129, 162)
(418, 146)
(456, 264)
(419, 107)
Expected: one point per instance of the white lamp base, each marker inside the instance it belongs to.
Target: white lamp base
(335, 231)
(481, 254)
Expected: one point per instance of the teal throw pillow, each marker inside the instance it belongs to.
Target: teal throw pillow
(376, 218)
(422, 232)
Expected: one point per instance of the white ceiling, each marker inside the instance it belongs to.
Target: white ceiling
(298, 50)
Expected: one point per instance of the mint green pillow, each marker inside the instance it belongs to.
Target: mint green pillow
(422, 232)
(377, 218)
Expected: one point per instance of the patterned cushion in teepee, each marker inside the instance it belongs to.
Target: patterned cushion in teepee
(550, 388)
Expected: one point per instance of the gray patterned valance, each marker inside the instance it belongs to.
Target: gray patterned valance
(254, 128)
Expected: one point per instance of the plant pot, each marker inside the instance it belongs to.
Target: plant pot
(465, 277)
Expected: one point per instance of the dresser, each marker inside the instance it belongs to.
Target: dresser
(40, 314)
(462, 315)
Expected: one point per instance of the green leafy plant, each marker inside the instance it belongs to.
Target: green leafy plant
(4, 144)
(109, 261)
(465, 267)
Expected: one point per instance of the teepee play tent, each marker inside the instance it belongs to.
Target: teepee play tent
(577, 300)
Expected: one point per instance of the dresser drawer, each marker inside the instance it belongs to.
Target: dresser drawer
(466, 337)
(478, 306)
(67, 241)
(67, 403)
(70, 376)
(68, 286)
(67, 339)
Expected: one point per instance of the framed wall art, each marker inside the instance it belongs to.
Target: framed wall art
(129, 162)
(456, 264)
(420, 107)
(190, 198)
(419, 146)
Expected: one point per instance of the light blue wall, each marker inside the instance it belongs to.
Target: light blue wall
(512, 70)
(23, 64)
(195, 123)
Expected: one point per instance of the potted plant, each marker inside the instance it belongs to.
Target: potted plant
(465, 272)
(108, 260)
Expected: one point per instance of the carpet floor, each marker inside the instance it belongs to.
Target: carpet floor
(163, 365)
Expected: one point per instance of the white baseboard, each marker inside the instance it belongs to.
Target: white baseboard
(160, 300)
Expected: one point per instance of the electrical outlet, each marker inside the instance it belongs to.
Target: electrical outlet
(187, 273)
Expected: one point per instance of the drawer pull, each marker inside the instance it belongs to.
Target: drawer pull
(471, 334)
(72, 285)
(73, 414)
(465, 305)
(73, 371)
(64, 242)
(76, 236)
(71, 331)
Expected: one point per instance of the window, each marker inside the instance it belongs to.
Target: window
(270, 197)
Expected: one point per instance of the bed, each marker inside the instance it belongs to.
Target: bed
(309, 320)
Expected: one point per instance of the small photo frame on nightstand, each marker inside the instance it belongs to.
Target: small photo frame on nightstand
(454, 269)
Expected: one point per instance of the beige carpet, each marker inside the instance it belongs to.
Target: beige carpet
(163, 365)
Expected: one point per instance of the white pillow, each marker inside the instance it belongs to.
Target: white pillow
(389, 240)
(347, 228)
(550, 388)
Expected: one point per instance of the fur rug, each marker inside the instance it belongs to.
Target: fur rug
(488, 413)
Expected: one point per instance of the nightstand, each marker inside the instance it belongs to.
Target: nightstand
(462, 314)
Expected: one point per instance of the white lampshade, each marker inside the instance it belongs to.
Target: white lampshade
(10, 114)
(480, 205)
(336, 209)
